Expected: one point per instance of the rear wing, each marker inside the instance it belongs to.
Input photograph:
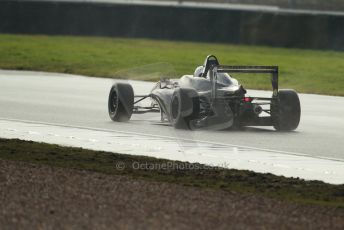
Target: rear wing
(273, 70)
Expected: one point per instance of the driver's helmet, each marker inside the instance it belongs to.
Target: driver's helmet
(199, 71)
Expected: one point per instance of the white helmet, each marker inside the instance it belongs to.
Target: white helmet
(199, 71)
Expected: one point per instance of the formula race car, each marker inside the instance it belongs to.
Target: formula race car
(210, 98)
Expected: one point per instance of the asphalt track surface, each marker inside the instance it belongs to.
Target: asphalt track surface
(82, 101)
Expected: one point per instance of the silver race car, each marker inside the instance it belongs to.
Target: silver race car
(210, 98)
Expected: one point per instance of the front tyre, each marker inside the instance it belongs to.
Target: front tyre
(121, 102)
(286, 112)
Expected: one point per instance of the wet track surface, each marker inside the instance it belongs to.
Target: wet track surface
(72, 110)
(82, 101)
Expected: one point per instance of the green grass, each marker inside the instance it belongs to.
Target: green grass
(307, 71)
(247, 182)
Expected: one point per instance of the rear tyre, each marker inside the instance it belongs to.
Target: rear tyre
(185, 106)
(286, 112)
(121, 102)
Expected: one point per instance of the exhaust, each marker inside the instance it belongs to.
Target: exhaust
(257, 109)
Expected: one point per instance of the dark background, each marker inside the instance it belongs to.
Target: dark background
(173, 23)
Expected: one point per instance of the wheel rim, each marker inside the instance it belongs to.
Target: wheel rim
(113, 102)
(175, 108)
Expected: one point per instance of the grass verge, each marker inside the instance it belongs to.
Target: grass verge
(307, 71)
(197, 175)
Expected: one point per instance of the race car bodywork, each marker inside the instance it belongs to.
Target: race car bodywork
(213, 100)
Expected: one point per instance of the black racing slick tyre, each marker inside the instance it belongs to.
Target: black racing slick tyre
(185, 106)
(286, 112)
(121, 102)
